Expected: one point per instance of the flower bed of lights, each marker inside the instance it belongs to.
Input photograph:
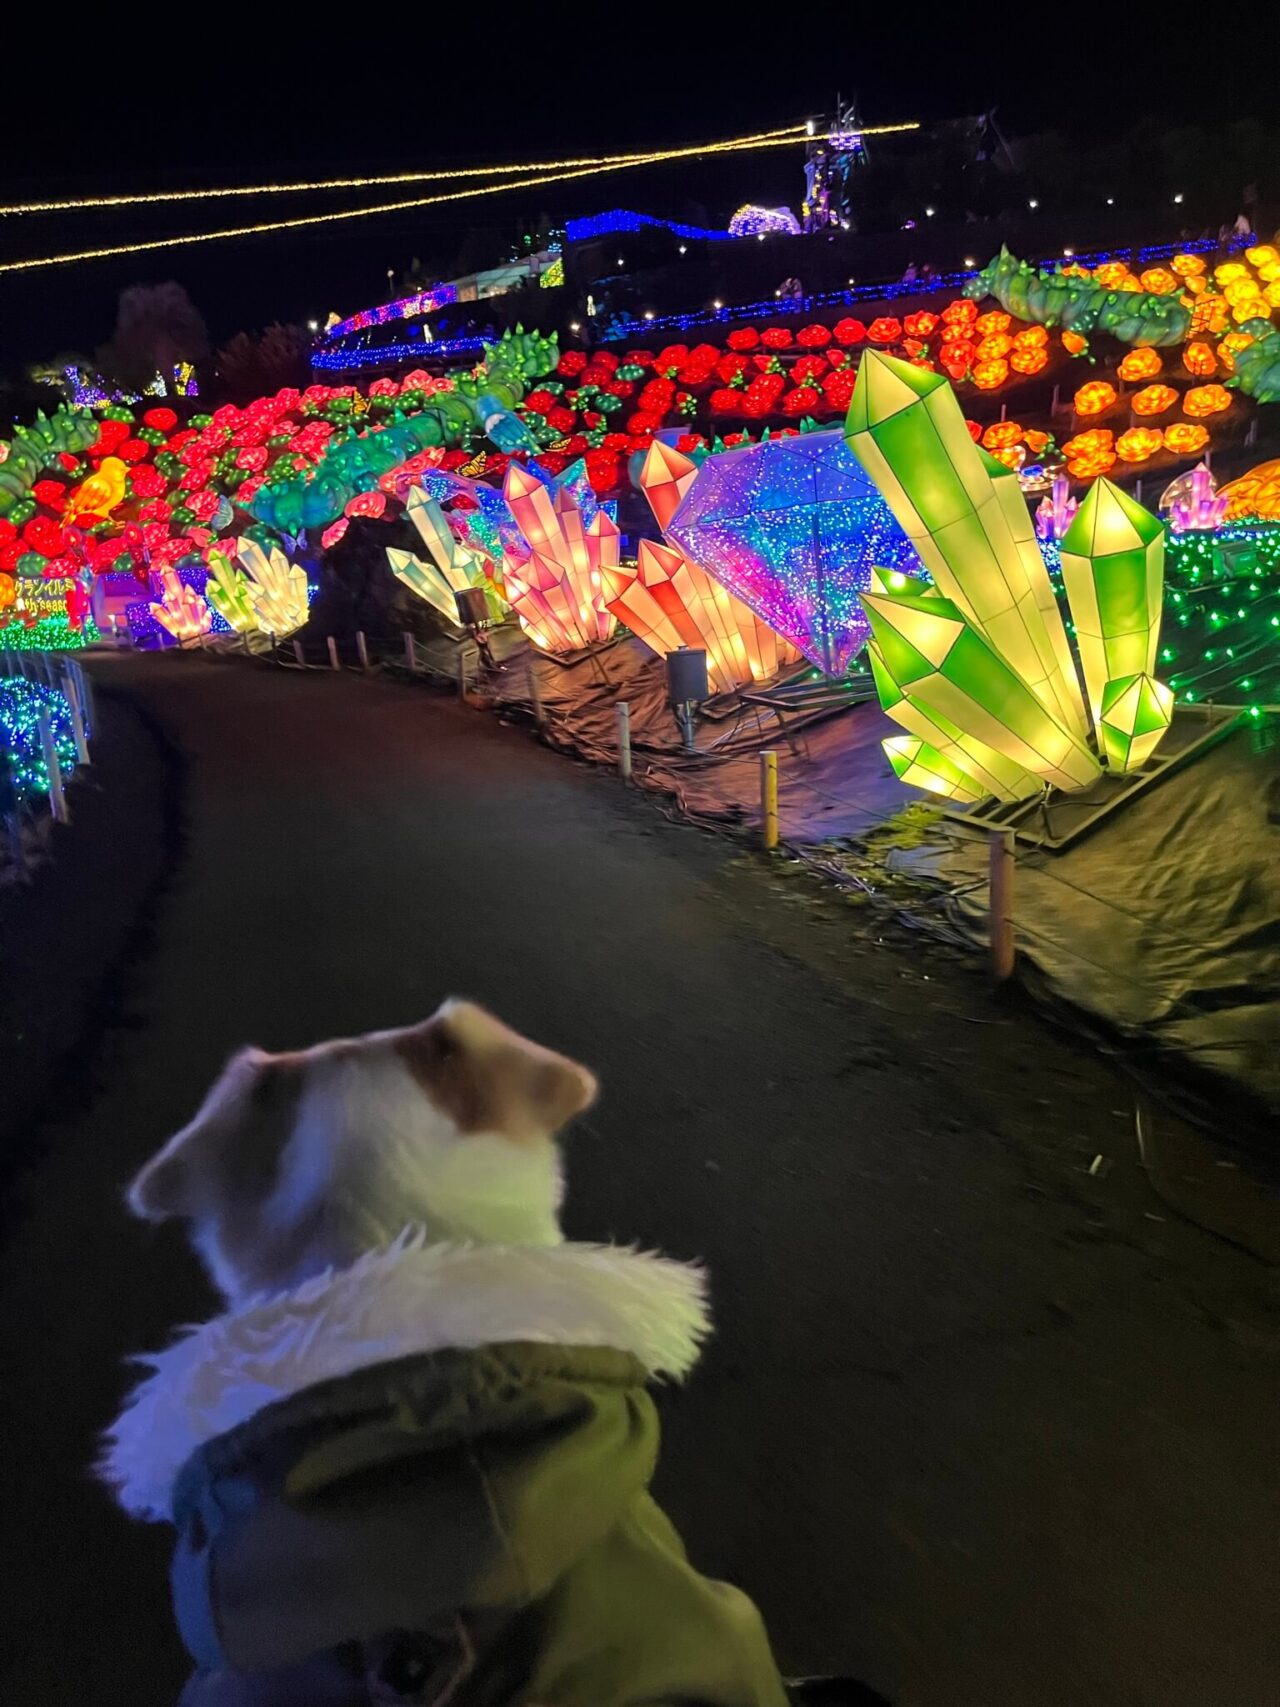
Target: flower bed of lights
(793, 528)
(669, 601)
(978, 669)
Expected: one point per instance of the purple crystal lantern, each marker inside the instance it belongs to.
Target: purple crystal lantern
(794, 527)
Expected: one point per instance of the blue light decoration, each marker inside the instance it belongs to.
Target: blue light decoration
(378, 355)
(753, 221)
(793, 527)
(627, 331)
(481, 519)
(620, 219)
(22, 702)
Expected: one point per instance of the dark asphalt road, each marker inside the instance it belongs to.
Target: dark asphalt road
(976, 1426)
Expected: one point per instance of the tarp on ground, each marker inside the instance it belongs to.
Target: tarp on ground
(1163, 921)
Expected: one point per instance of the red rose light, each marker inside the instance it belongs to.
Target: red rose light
(538, 402)
(160, 420)
(921, 325)
(885, 330)
(802, 400)
(849, 331)
(726, 402)
(370, 504)
(745, 338)
(571, 362)
(51, 493)
(813, 337)
(42, 535)
(147, 481)
(776, 338)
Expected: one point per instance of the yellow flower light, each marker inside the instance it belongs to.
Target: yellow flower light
(1262, 254)
(1230, 348)
(995, 320)
(1031, 358)
(1159, 281)
(1256, 493)
(1111, 274)
(989, 374)
(1187, 266)
(1031, 338)
(1199, 360)
(994, 347)
(1153, 399)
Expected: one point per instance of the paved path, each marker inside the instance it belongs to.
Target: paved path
(977, 1426)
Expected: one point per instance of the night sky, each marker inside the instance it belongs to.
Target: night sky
(393, 93)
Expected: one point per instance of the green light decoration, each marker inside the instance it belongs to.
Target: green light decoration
(908, 432)
(22, 765)
(944, 664)
(919, 765)
(277, 588)
(1136, 712)
(1113, 572)
(452, 567)
(1080, 304)
(228, 591)
(978, 669)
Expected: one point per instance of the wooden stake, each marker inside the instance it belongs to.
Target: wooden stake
(623, 713)
(769, 797)
(362, 649)
(1001, 868)
(333, 654)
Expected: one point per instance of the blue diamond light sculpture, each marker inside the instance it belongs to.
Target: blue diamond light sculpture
(794, 527)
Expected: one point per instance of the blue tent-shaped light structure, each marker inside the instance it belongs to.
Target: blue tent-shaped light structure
(793, 527)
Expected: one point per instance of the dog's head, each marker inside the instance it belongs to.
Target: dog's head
(297, 1163)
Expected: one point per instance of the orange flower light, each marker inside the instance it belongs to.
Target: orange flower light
(956, 358)
(1262, 255)
(1029, 359)
(1140, 364)
(1091, 466)
(1187, 266)
(1036, 442)
(1230, 348)
(1001, 434)
(885, 330)
(960, 312)
(1089, 443)
(1031, 338)
(1210, 314)
(1139, 444)
(989, 374)
(921, 325)
(1185, 438)
(994, 346)
(1012, 456)
(1074, 344)
(1159, 281)
(1093, 398)
(1229, 270)
(1206, 400)
(1199, 360)
(1111, 274)
(1153, 399)
(957, 331)
(987, 325)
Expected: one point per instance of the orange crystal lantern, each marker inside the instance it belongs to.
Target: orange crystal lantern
(989, 374)
(1074, 344)
(1141, 364)
(1185, 438)
(1029, 359)
(1139, 444)
(1153, 399)
(996, 320)
(1199, 360)
(1206, 400)
(1093, 398)
(1001, 434)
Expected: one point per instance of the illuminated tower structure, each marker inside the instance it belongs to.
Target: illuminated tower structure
(829, 163)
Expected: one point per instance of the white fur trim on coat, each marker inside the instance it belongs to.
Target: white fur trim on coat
(407, 1299)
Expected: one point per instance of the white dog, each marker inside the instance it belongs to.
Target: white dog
(410, 1462)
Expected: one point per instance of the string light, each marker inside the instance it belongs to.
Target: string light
(790, 133)
(656, 158)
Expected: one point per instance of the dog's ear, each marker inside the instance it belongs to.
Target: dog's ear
(230, 1149)
(488, 1078)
